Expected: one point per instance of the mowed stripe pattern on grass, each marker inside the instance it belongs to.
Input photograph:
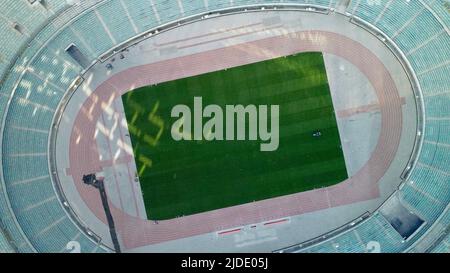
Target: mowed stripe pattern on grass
(188, 177)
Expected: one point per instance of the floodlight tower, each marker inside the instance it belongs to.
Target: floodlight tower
(91, 179)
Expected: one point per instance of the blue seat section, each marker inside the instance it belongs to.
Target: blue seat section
(433, 183)
(436, 155)
(443, 246)
(445, 221)
(32, 115)
(26, 142)
(378, 229)
(192, 7)
(324, 3)
(10, 39)
(432, 53)
(36, 164)
(366, 10)
(390, 22)
(413, 35)
(255, 2)
(322, 248)
(45, 35)
(438, 105)
(37, 208)
(5, 246)
(34, 89)
(375, 229)
(8, 224)
(349, 243)
(3, 103)
(3, 66)
(142, 13)
(345, 243)
(433, 130)
(67, 37)
(28, 16)
(25, 168)
(17, 70)
(427, 209)
(441, 8)
(40, 214)
(56, 5)
(91, 30)
(168, 10)
(434, 82)
(116, 19)
(8, 86)
(54, 68)
(218, 4)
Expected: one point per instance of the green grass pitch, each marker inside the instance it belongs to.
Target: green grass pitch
(188, 177)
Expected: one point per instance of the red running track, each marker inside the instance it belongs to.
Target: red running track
(135, 232)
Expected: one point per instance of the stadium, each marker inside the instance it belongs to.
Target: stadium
(286, 126)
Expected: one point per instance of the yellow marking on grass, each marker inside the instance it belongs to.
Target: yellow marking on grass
(158, 122)
(146, 162)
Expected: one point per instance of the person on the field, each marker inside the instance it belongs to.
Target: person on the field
(317, 133)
